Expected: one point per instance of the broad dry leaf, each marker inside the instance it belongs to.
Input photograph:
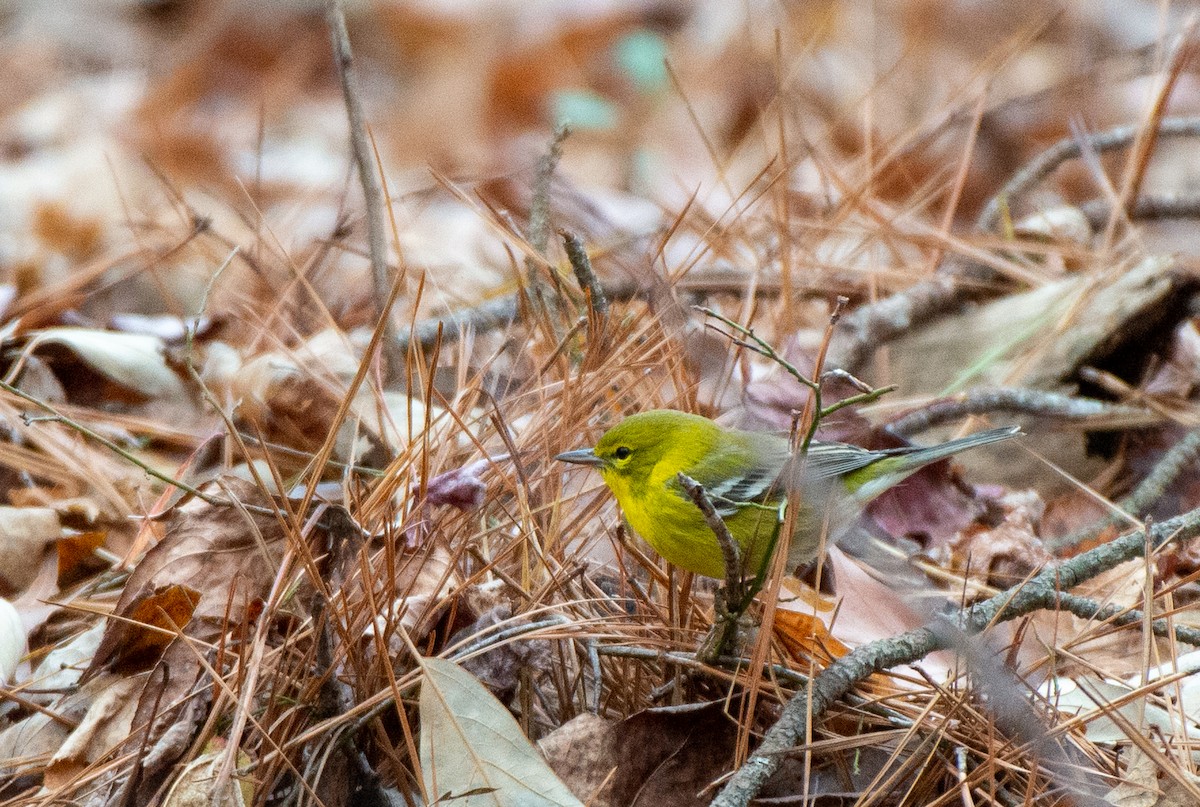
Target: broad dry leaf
(423, 586)
(150, 624)
(62, 667)
(77, 558)
(227, 555)
(295, 395)
(194, 787)
(1189, 689)
(12, 641)
(1144, 785)
(1083, 696)
(1005, 554)
(807, 637)
(26, 532)
(867, 610)
(1139, 783)
(133, 360)
(26, 746)
(473, 751)
(105, 726)
(666, 757)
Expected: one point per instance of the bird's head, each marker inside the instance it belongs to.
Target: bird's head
(627, 453)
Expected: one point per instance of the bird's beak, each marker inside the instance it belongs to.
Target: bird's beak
(581, 456)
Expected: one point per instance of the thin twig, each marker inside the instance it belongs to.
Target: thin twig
(758, 345)
(501, 311)
(866, 328)
(109, 444)
(1138, 161)
(539, 208)
(1019, 401)
(488, 315)
(730, 553)
(582, 266)
(1086, 608)
(738, 663)
(1147, 207)
(764, 348)
(733, 598)
(1070, 148)
(538, 233)
(360, 146)
(855, 400)
(814, 409)
(1040, 592)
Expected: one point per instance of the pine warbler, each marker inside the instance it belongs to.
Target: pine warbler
(747, 476)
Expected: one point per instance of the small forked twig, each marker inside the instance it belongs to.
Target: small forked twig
(734, 597)
(763, 348)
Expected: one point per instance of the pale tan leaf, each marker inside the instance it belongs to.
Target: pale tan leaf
(1139, 784)
(12, 641)
(195, 785)
(473, 750)
(107, 723)
(133, 360)
(27, 531)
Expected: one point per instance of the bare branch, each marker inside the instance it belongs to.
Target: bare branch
(368, 176)
(1040, 592)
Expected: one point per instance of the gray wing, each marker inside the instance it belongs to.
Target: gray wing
(761, 455)
(829, 460)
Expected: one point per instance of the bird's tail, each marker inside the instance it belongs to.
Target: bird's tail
(905, 461)
(920, 456)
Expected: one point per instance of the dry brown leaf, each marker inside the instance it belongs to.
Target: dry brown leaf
(27, 532)
(151, 623)
(662, 757)
(109, 717)
(471, 747)
(499, 669)
(1139, 783)
(62, 667)
(423, 585)
(26, 746)
(294, 396)
(134, 361)
(807, 637)
(194, 786)
(576, 749)
(227, 555)
(1005, 554)
(77, 557)
(867, 610)
(60, 229)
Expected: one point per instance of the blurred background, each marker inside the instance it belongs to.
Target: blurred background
(122, 123)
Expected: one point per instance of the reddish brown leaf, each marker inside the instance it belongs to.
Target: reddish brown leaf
(77, 557)
(226, 554)
(152, 623)
(662, 757)
(806, 637)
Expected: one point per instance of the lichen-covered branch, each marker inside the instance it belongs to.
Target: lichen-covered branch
(1041, 591)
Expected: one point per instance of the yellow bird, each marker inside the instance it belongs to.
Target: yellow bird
(746, 475)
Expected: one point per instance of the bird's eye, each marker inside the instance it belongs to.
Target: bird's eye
(623, 452)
